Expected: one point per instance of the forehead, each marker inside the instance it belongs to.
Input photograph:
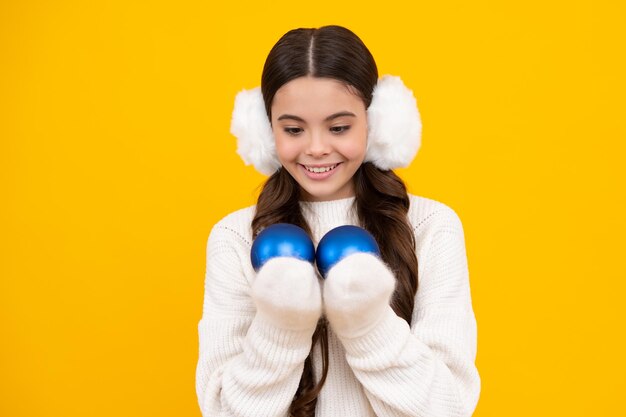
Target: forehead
(315, 97)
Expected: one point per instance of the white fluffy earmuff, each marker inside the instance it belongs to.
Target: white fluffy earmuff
(394, 128)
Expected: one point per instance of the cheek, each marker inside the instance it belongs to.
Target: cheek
(355, 148)
(285, 149)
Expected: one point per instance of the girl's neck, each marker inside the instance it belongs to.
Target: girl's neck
(324, 215)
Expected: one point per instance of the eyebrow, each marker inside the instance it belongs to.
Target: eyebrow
(332, 116)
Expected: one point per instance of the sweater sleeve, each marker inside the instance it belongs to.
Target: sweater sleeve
(248, 365)
(427, 369)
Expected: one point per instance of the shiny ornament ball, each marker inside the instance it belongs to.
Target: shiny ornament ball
(281, 239)
(341, 242)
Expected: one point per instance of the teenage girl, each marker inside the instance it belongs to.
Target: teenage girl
(379, 336)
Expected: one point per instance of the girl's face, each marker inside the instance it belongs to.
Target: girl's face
(320, 127)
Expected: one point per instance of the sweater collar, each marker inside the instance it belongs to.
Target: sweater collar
(325, 215)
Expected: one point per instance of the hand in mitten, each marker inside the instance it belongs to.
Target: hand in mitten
(357, 292)
(286, 292)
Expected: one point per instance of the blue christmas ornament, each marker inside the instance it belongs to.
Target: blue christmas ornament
(341, 242)
(281, 239)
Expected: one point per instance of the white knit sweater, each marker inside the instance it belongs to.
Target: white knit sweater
(251, 366)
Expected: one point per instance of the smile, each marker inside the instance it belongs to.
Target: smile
(318, 170)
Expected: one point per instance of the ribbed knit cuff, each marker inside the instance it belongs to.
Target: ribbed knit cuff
(379, 347)
(279, 345)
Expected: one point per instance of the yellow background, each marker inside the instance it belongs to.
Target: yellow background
(116, 160)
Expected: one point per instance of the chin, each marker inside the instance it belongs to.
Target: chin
(313, 195)
(324, 195)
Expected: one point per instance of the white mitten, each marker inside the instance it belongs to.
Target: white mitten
(286, 292)
(357, 292)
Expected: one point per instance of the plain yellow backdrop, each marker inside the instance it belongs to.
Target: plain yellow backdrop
(116, 160)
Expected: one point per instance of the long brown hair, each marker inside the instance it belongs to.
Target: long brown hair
(381, 198)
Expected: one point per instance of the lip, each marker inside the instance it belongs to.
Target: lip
(319, 175)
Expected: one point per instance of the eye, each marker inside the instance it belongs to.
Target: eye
(293, 131)
(339, 129)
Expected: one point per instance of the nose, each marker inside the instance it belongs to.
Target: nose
(318, 145)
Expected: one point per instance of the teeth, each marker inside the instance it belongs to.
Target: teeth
(319, 170)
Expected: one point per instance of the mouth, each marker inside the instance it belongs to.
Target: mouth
(319, 172)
